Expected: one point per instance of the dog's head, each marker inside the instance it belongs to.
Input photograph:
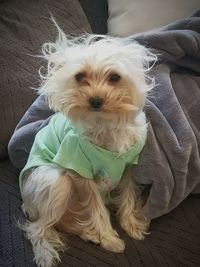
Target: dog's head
(95, 78)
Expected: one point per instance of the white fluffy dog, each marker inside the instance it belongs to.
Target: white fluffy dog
(79, 163)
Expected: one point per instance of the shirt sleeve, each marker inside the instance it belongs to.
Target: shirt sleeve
(71, 156)
(43, 150)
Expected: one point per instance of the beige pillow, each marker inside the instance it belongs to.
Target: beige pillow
(128, 17)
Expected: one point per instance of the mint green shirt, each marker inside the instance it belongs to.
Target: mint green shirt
(59, 143)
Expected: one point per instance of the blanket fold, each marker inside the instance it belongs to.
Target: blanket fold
(170, 161)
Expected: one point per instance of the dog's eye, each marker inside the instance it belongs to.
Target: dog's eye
(114, 77)
(80, 76)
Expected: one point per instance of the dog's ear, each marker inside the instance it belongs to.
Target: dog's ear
(140, 54)
(142, 61)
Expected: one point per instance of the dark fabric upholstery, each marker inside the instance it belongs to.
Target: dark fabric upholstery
(97, 14)
(174, 239)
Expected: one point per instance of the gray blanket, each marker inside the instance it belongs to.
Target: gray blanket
(170, 163)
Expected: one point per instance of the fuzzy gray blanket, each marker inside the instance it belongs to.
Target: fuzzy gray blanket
(169, 165)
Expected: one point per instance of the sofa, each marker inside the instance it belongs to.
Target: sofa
(25, 25)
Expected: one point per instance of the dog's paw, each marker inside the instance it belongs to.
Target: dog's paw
(134, 227)
(44, 261)
(116, 245)
(45, 255)
(112, 242)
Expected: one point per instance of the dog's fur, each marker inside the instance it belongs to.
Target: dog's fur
(57, 199)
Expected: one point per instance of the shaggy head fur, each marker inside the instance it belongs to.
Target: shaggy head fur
(99, 82)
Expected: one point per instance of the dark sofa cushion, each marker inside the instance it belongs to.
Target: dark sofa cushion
(97, 14)
(174, 239)
(24, 26)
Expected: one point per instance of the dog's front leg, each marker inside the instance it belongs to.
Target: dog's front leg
(129, 207)
(95, 224)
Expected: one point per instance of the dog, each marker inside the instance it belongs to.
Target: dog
(80, 163)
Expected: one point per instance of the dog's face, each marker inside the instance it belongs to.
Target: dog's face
(100, 81)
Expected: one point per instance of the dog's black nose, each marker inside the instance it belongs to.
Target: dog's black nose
(96, 102)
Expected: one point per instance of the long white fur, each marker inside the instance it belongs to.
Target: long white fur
(48, 191)
(45, 193)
